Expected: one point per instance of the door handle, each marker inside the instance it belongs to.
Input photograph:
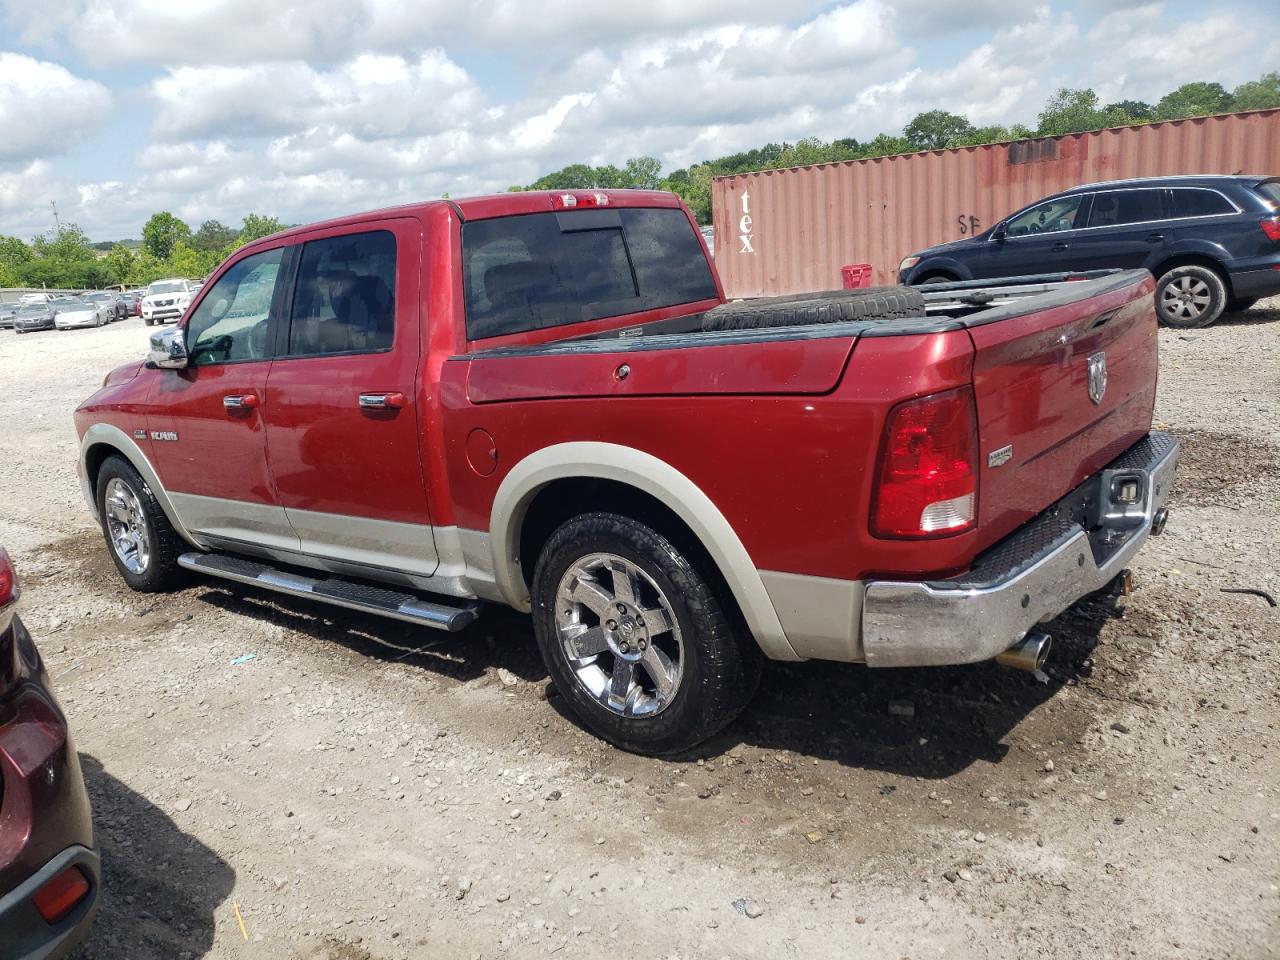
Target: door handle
(240, 401)
(1060, 246)
(1155, 238)
(381, 401)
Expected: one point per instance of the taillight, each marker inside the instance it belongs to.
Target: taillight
(1271, 227)
(927, 482)
(8, 580)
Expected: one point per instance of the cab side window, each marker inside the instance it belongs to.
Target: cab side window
(344, 299)
(230, 324)
(1050, 217)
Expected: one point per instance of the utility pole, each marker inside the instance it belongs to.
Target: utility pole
(56, 222)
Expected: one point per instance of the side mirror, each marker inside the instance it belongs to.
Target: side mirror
(999, 233)
(168, 349)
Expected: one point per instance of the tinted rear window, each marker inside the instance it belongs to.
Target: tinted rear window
(1270, 189)
(549, 269)
(1115, 207)
(1199, 203)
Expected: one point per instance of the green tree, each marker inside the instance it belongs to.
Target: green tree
(644, 173)
(212, 237)
(161, 232)
(257, 226)
(1071, 111)
(1258, 94)
(1193, 100)
(936, 129)
(119, 263)
(1125, 112)
(13, 252)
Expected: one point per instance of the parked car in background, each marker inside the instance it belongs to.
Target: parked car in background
(109, 298)
(49, 869)
(7, 312)
(80, 312)
(34, 298)
(943, 477)
(165, 300)
(34, 316)
(1213, 242)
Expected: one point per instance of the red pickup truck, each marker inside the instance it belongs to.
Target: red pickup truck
(543, 400)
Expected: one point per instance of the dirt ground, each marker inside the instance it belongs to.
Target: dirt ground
(362, 790)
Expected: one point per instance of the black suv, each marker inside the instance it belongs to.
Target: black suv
(1213, 242)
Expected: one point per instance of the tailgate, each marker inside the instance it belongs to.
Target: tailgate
(1045, 423)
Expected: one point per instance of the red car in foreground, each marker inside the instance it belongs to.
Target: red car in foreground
(49, 869)
(543, 400)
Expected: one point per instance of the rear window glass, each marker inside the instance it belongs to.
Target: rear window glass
(344, 299)
(1116, 207)
(550, 269)
(1200, 203)
(1270, 189)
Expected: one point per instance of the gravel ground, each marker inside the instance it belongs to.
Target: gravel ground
(361, 790)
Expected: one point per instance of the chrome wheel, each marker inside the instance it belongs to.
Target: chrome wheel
(620, 635)
(1185, 298)
(127, 526)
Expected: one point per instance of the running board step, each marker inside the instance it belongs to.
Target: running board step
(341, 593)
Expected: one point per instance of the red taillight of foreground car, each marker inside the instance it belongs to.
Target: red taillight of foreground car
(1271, 227)
(8, 580)
(59, 896)
(927, 481)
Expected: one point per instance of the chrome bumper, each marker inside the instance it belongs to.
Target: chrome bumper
(1028, 578)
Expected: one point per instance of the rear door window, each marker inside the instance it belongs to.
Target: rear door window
(1113, 208)
(545, 270)
(1188, 202)
(344, 299)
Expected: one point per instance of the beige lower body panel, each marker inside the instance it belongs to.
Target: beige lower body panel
(822, 617)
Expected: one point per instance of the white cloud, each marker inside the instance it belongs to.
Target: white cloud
(44, 108)
(306, 110)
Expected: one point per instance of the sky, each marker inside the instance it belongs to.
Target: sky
(115, 109)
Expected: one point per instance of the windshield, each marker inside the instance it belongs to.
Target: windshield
(32, 310)
(74, 303)
(168, 286)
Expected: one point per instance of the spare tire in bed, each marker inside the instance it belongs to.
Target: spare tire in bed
(830, 306)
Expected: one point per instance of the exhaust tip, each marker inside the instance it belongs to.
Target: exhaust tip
(1158, 521)
(1029, 653)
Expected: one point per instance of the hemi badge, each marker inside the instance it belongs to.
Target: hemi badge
(139, 434)
(998, 458)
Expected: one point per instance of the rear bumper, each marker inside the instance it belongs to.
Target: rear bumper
(1028, 578)
(1260, 281)
(25, 934)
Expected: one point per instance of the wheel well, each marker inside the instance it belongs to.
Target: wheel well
(945, 276)
(562, 500)
(1193, 259)
(94, 458)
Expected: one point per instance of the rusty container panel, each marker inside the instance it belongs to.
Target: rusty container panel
(791, 230)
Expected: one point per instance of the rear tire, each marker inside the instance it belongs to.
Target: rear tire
(1190, 297)
(635, 637)
(140, 539)
(841, 306)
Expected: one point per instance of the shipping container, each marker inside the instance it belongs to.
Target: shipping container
(791, 230)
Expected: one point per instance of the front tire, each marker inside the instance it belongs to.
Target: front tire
(140, 539)
(1190, 297)
(635, 637)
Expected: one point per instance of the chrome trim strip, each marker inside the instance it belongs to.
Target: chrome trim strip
(1118, 226)
(911, 624)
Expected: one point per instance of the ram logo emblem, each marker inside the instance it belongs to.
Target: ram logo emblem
(1097, 377)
